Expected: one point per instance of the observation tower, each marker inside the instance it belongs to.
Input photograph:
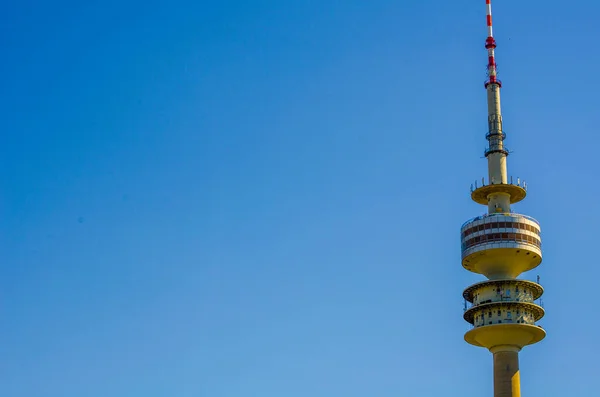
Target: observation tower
(501, 245)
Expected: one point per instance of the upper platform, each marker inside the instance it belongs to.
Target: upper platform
(517, 192)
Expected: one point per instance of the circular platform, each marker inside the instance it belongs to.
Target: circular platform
(500, 261)
(536, 310)
(501, 245)
(519, 335)
(537, 289)
(481, 194)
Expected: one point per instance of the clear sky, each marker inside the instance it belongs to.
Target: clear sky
(263, 198)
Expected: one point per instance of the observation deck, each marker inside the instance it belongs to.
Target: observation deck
(501, 245)
(502, 291)
(517, 192)
(504, 312)
(504, 301)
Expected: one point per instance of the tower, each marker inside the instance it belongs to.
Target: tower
(501, 245)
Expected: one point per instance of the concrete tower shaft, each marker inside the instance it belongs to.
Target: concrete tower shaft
(495, 152)
(507, 379)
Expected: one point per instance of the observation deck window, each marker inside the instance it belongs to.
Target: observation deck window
(502, 237)
(503, 224)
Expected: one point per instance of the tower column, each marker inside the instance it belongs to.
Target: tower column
(501, 245)
(507, 380)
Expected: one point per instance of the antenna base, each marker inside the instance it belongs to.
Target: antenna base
(492, 81)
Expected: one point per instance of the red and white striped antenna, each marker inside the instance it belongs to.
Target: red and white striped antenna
(489, 17)
(490, 44)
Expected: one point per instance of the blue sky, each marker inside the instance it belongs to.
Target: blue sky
(263, 198)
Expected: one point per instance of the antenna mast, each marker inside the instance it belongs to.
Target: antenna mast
(490, 44)
(495, 152)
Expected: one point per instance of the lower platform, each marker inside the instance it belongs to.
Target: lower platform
(518, 335)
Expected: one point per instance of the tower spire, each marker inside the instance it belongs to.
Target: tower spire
(495, 152)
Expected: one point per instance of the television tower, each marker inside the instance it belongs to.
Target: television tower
(501, 245)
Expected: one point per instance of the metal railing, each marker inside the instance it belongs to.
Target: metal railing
(520, 183)
(486, 215)
(491, 303)
(471, 326)
(516, 299)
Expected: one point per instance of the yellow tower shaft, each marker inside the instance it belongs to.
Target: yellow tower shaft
(507, 380)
